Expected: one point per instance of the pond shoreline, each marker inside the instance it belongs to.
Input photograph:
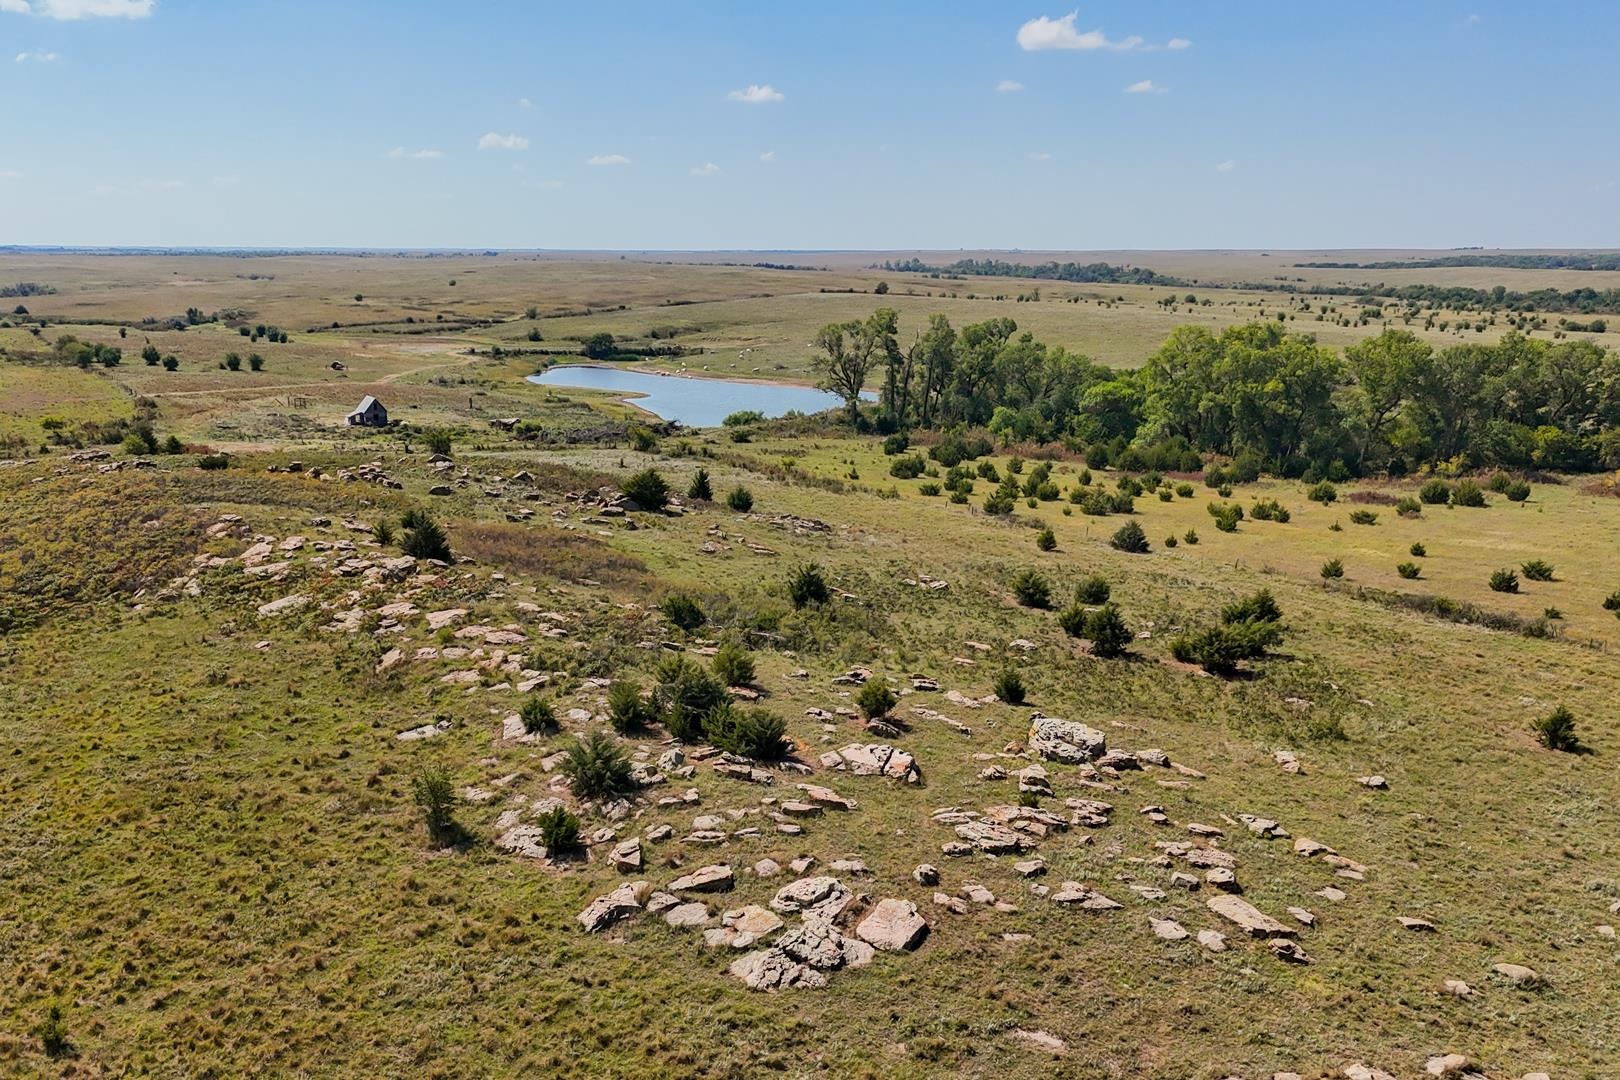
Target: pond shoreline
(687, 399)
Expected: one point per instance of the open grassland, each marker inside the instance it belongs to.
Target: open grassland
(215, 864)
(748, 320)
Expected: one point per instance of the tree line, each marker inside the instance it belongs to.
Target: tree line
(1497, 260)
(1275, 401)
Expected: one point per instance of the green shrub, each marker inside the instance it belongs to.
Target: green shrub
(753, 733)
(684, 695)
(424, 538)
(1418, 551)
(1504, 581)
(1046, 540)
(1073, 619)
(1047, 491)
(930, 489)
(627, 711)
(732, 665)
(1190, 536)
(1219, 649)
(596, 767)
(537, 715)
(875, 699)
(213, 462)
(1363, 517)
(1185, 490)
(1467, 493)
(896, 443)
(1322, 492)
(1256, 607)
(1551, 613)
(53, 1034)
(1499, 481)
(1009, 687)
(431, 789)
(1406, 506)
(647, 488)
(1269, 510)
(807, 585)
(642, 438)
(1333, 568)
(683, 611)
(1166, 495)
(559, 831)
(438, 441)
(986, 470)
(1224, 491)
(997, 505)
(700, 489)
(1536, 570)
(1226, 515)
(1093, 590)
(1032, 589)
(908, 468)
(1408, 570)
(1435, 492)
(1130, 538)
(171, 363)
(1106, 630)
(1171, 541)
(1517, 491)
(1556, 730)
(740, 499)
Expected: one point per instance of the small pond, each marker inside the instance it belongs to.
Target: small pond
(692, 400)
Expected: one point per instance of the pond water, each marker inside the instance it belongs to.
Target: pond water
(693, 401)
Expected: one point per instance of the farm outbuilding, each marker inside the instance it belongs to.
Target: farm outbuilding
(369, 413)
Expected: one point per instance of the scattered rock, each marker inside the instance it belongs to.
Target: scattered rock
(626, 856)
(926, 874)
(716, 878)
(619, 904)
(1376, 782)
(1213, 940)
(893, 926)
(823, 896)
(687, 915)
(1167, 929)
(1254, 921)
(1065, 740)
(1518, 974)
(1420, 925)
(1040, 1040)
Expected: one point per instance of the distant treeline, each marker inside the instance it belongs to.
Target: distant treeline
(1274, 401)
(26, 288)
(1100, 273)
(1501, 260)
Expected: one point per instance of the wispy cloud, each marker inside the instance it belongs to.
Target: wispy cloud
(1007, 86)
(756, 94)
(1226, 166)
(1146, 86)
(1040, 155)
(1472, 20)
(1178, 43)
(494, 140)
(1049, 33)
(525, 103)
(81, 9)
(150, 184)
(607, 159)
(769, 155)
(38, 56)
(708, 168)
(11, 174)
(426, 154)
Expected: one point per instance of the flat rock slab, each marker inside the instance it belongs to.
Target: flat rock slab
(687, 915)
(1167, 929)
(990, 837)
(825, 896)
(619, 904)
(1256, 922)
(1065, 740)
(893, 926)
(878, 759)
(716, 878)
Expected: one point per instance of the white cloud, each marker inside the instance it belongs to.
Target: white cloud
(769, 155)
(1048, 33)
(426, 154)
(11, 174)
(1472, 20)
(708, 168)
(81, 9)
(1226, 166)
(756, 94)
(607, 159)
(1040, 155)
(525, 103)
(1178, 43)
(38, 56)
(1007, 86)
(150, 184)
(1146, 86)
(495, 141)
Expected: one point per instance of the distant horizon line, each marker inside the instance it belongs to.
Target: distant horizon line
(485, 250)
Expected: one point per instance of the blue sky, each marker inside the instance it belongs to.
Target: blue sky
(425, 123)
